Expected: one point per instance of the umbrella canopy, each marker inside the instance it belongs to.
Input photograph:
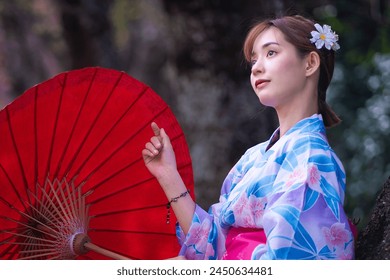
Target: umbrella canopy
(72, 174)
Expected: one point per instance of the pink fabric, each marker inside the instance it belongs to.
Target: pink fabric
(240, 242)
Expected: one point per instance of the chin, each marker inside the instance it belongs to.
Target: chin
(266, 101)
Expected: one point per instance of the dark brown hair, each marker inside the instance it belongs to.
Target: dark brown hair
(296, 30)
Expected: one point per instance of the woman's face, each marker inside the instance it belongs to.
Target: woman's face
(278, 73)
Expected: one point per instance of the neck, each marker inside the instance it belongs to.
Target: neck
(296, 111)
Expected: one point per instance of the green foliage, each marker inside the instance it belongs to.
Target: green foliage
(360, 93)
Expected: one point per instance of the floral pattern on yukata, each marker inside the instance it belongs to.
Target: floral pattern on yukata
(292, 188)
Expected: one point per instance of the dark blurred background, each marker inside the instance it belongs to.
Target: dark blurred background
(190, 53)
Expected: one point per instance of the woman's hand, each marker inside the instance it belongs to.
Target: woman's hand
(158, 154)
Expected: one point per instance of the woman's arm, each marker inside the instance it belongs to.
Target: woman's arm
(160, 160)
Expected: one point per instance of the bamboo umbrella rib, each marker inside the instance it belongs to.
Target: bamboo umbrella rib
(46, 213)
(27, 244)
(63, 199)
(100, 111)
(106, 160)
(58, 111)
(30, 237)
(138, 184)
(102, 140)
(72, 200)
(128, 210)
(83, 103)
(36, 256)
(55, 208)
(110, 194)
(23, 172)
(36, 167)
(13, 188)
(120, 170)
(25, 226)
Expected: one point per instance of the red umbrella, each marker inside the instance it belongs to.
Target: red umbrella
(72, 176)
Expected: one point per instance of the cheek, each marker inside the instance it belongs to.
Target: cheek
(252, 81)
(292, 66)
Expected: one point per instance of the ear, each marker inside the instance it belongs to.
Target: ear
(312, 63)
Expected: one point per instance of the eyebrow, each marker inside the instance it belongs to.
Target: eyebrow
(268, 44)
(265, 46)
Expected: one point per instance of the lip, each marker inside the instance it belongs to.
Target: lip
(261, 83)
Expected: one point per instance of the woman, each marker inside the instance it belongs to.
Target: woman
(284, 197)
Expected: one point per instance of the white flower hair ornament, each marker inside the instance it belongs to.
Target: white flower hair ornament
(324, 36)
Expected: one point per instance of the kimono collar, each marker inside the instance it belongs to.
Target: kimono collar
(314, 123)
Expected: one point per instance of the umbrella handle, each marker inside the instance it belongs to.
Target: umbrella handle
(104, 252)
(81, 244)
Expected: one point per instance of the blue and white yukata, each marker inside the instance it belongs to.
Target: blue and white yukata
(292, 188)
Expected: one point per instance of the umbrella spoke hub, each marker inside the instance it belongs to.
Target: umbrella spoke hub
(55, 226)
(78, 244)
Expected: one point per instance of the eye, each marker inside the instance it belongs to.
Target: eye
(271, 53)
(253, 62)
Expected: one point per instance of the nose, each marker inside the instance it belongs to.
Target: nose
(257, 67)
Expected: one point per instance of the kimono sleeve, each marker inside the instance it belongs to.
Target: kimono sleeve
(205, 238)
(207, 234)
(304, 217)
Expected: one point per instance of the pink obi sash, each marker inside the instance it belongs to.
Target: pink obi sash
(240, 242)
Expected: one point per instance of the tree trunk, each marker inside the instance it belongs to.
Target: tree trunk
(374, 240)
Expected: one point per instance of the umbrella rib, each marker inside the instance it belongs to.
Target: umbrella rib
(129, 210)
(72, 198)
(28, 244)
(36, 256)
(122, 169)
(29, 236)
(13, 188)
(13, 208)
(123, 189)
(52, 204)
(56, 123)
(133, 231)
(47, 211)
(120, 148)
(128, 187)
(9, 252)
(93, 124)
(36, 168)
(76, 121)
(62, 202)
(25, 226)
(17, 153)
(97, 185)
(51, 250)
(108, 133)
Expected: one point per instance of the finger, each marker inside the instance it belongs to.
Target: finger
(156, 129)
(147, 154)
(149, 146)
(156, 141)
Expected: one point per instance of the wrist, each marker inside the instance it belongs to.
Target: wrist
(172, 183)
(167, 176)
